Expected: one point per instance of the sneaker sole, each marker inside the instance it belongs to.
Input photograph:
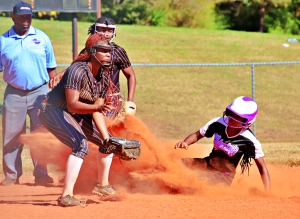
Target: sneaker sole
(82, 204)
(101, 194)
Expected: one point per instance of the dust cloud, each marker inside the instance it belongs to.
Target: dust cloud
(159, 169)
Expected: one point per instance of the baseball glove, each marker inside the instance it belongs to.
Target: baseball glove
(124, 149)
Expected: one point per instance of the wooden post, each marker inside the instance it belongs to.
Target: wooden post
(74, 35)
(98, 9)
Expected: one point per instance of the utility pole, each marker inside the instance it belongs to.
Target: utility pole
(98, 9)
(74, 36)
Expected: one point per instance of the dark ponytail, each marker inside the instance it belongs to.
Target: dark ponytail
(91, 29)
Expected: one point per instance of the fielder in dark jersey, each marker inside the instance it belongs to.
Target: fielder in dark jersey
(79, 78)
(234, 143)
(74, 112)
(120, 62)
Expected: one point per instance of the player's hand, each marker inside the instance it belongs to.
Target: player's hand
(54, 81)
(107, 107)
(181, 144)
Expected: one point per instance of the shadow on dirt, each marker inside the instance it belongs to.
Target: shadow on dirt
(29, 202)
(52, 194)
(41, 202)
(47, 185)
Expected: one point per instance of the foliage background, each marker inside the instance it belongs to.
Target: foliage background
(274, 16)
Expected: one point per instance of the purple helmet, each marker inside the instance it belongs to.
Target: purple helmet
(244, 107)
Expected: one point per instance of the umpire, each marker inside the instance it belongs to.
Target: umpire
(27, 61)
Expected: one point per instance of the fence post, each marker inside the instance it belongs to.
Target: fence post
(253, 92)
(74, 36)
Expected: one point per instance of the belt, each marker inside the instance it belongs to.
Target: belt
(27, 90)
(39, 86)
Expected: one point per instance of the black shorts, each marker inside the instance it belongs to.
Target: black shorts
(213, 175)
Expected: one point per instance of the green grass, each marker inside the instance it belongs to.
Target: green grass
(175, 101)
(282, 153)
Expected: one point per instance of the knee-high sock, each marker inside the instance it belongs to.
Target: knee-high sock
(72, 170)
(104, 163)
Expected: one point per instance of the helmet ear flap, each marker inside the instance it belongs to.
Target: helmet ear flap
(226, 112)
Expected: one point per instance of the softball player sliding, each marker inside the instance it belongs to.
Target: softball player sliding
(233, 142)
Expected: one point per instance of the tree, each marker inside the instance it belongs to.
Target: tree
(237, 13)
(262, 9)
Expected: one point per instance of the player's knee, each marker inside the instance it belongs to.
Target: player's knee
(80, 149)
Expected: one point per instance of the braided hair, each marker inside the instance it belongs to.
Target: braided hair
(245, 164)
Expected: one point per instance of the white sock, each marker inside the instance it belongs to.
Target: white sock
(72, 170)
(104, 163)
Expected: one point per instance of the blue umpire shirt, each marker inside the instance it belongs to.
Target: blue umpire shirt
(24, 59)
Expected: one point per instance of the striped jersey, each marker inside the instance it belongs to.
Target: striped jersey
(78, 77)
(120, 61)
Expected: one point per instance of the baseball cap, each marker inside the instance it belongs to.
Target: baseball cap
(22, 8)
